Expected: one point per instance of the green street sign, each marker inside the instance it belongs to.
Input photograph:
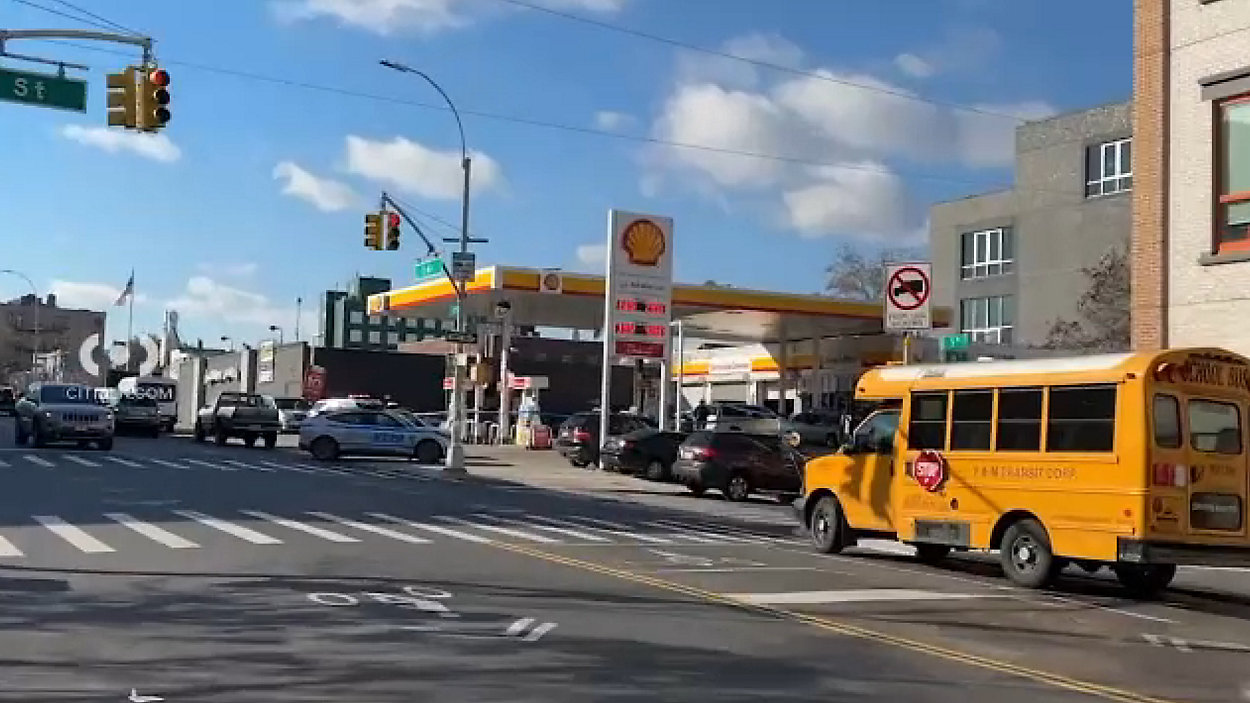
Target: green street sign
(43, 89)
(955, 342)
(430, 268)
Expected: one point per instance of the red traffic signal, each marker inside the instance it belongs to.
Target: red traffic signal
(392, 231)
(159, 77)
(392, 220)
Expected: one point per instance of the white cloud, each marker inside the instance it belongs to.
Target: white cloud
(415, 168)
(592, 256)
(388, 17)
(700, 67)
(914, 66)
(89, 296)
(207, 298)
(613, 121)
(325, 194)
(157, 147)
(989, 140)
(241, 269)
(871, 202)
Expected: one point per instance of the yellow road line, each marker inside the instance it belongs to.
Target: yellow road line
(1093, 689)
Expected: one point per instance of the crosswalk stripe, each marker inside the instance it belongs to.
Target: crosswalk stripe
(619, 533)
(325, 470)
(286, 467)
(437, 529)
(296, 525)
(80, 461)
(74, 535)
(152, 532)
(730, 530)
(520, 534)
(39, 461)
(168, 464)
(8, 549)
(124, 462)
(210, 465)
(623, 530)
(243, 533)
(708, 534)
(242, 465)
(547, 528)
(4, 464)
(683, 534)
(366, 527)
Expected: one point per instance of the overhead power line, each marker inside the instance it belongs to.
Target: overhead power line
(93, 15)
(76, 18)
(758, 63)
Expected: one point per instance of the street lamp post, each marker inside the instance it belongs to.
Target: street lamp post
(34, 356)
(455, 451)
(278, 329)
(224, 338)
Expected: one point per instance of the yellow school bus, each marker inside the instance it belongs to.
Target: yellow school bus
(1135, 461)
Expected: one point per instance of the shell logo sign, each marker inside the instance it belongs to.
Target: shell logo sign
(643, 243)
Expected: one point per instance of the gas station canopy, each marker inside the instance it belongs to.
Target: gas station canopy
(547, 298)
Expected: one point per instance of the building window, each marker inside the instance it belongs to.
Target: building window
(356, 317)
(354, 336)
(1233, 215)
(988, 320)
(375, 319)
(987, 253)
(375, 337)
(392, 338)
(1109, 168)
(412, 336)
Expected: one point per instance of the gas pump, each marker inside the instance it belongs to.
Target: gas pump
(530, 429)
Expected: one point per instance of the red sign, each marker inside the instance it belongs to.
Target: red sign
(929, 470)
(908, 288)
(448, 383)
(649, 350)
(314, 383)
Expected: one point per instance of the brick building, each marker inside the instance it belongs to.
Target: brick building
(1191, 198)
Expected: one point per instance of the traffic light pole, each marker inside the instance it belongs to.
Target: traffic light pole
(8, 34)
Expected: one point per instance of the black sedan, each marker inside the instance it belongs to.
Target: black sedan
(647, 452)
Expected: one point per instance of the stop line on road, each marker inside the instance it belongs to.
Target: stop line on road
(79, 461)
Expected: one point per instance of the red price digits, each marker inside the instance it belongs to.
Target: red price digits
(625, 328)
(655, 330)
(656, 308)
(626, 305)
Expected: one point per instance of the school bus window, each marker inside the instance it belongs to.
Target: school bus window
(1019, 419)
(1167, 421)
(927, 429)
(1214, 427)
(1081, 419)
(972, 415)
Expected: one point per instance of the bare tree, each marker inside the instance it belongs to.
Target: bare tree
(856, 276)
(1102, 311)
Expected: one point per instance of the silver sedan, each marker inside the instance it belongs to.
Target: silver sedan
(370, 433)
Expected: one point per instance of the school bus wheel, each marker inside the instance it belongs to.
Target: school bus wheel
(1025, 554)
(826, 526)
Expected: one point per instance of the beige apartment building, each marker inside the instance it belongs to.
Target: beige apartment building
(1191, 196)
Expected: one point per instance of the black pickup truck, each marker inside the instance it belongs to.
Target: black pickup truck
(244, 415)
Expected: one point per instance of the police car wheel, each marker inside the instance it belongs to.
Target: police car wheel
(428, 451)
(325, 448)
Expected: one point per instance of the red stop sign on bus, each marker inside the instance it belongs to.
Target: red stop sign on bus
(929, 470)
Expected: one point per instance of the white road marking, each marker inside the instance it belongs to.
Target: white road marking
(244, 533)
(886, 546)
(135, 697)
(438, 529)
(8, 549)
(519, 534)
(209, 465)
(285, 467)
(242, 465)
(721, 531)
(152, 532)
(537, 633)
(124, 462)
(865, 595)
(580, 534)
(80, 461)
(168, 464)
(4, 464)
(628, 534)
(736, 569)
(697, 536)
(40, 461)
(518, 627)
(325, 470)
(74, 535)
(296, 525)
(366, 527)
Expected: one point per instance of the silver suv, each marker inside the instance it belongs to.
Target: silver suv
(58, 412)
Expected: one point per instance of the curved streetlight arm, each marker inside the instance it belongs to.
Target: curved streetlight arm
(464, 151)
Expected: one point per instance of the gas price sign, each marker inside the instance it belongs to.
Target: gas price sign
(640, 285)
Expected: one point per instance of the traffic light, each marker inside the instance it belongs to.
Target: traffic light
(373, 231)
(392, 231)
(153, 99)
(123, 98)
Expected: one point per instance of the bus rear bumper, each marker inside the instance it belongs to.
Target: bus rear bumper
(1136, 551)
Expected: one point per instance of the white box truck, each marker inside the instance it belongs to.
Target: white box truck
(163, 390)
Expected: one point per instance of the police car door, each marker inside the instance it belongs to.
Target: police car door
(392, 436)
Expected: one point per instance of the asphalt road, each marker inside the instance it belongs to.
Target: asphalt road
(203, 573)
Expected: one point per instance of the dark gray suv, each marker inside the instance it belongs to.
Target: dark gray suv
(58, 412)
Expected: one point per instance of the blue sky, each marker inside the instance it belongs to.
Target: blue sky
(255, 193)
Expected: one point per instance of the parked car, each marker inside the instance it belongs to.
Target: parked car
(243, 415)
(329, 435)
(648, 452)
(8, 400)
(58, 412)
(742, 417)
(739, 464)
(578, 438)
(815, 428)
(136, 414)
(291, 412)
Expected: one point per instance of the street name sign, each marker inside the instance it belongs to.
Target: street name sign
(429, 268)
(43, 89)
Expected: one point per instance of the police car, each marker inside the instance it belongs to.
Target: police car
(330, 434)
